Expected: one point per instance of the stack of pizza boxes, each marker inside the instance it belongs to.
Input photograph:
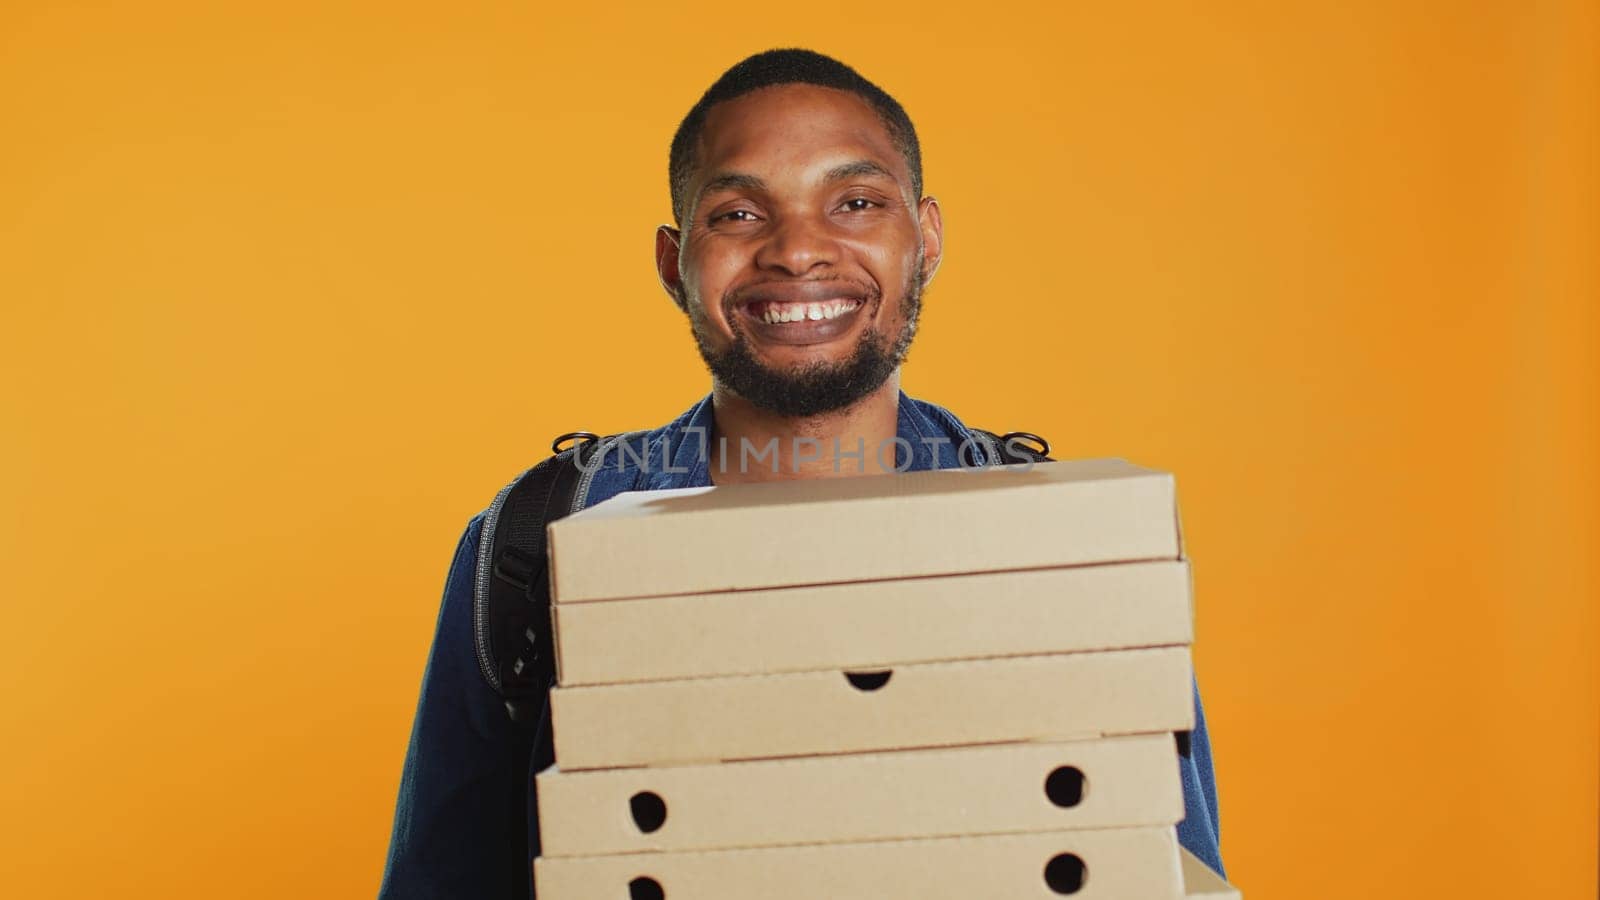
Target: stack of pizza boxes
(956, 683)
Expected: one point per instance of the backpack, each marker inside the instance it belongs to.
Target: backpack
(511, 591)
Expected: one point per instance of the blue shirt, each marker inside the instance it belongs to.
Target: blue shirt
(466, 821)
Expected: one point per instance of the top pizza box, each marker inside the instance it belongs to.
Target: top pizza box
(863, 528)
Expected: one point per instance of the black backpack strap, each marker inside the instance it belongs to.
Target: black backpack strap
(1012, 447)
(512, 630)
(511, 595)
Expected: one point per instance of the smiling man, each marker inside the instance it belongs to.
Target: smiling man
(801, 249)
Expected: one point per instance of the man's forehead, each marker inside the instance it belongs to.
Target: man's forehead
(794, 124)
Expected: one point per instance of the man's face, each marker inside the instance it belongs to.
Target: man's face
(803, 252)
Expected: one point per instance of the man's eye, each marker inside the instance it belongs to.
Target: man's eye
(856, 204)
(732, 216)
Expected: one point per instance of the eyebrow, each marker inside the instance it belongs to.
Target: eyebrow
(857, 169)
(736, 181)
(731, 181)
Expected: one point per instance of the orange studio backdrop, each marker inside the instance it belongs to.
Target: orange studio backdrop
(291, 289)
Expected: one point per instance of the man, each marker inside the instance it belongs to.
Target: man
(802, 246)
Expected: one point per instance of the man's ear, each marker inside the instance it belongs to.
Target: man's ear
(668, 242)
(932, 225)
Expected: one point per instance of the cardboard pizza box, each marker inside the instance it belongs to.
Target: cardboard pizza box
(814, 531)
(1102, 864)
(875, 623)
(1000, 789)
(1200, 883)
(1057, 696)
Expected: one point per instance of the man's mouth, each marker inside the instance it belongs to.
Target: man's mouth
(802, 313)
(775, 312)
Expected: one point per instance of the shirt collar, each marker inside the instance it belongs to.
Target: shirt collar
(928, 438)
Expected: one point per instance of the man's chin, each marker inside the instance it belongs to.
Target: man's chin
(811, 389)
(800, 363)
(803, 381)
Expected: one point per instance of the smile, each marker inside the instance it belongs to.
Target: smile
(774, 312)
(801, 322)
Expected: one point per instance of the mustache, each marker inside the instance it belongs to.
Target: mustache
(800, 290)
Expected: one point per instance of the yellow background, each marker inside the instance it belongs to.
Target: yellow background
(290, 290)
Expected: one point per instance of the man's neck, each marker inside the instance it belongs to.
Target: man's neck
(752, 444)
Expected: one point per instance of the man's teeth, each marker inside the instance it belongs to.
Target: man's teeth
(794, 312)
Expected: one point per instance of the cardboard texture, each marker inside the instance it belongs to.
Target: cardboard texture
(941, 522)
(875, 623)
(1009, 788)
(1059, 696)
(1200, 883)
(1111, 864)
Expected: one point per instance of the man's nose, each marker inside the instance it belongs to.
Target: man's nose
(796, 244)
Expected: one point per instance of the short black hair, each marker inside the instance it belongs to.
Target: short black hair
(790, 65)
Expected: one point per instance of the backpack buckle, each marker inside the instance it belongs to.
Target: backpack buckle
(516, 568)
(582, 437)
(1040, 445)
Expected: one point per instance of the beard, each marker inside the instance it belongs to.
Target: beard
(823, 386)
